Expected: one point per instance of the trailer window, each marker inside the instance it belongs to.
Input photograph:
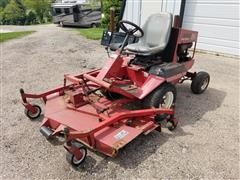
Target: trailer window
(66, 10)
(58, 11)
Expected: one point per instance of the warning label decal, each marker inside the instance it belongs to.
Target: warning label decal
(121, 135)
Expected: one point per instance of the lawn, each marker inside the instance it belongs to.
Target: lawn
(13, 35)
(92, 33)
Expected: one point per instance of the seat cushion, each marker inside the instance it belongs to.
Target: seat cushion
(138, 47)
(157, 31)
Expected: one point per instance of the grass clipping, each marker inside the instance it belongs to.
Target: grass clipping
(13, 35)
(92, 33)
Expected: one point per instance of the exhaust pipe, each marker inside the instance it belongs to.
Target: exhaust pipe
(46, 132)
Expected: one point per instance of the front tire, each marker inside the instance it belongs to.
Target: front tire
(200, 82)
(163, 97)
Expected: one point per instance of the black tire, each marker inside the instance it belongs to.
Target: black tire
(111, 95)
(72, 159)
(200, 82)
(170, 125)
(93, 25)
(156, 98)
(36, 115)
(61, 24)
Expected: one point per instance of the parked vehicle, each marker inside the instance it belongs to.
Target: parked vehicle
(75, 14)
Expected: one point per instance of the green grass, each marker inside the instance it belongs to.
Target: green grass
(92, 33)
(13, 35)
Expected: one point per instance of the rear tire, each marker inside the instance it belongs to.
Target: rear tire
(164, 96)
(200, 82)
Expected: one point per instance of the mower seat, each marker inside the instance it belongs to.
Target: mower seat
(157, 30)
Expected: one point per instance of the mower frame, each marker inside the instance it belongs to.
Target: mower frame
(84, 117)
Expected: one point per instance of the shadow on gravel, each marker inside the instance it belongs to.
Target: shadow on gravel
(39, 119)
(190, 109)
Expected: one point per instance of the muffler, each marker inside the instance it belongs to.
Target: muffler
(46, 132)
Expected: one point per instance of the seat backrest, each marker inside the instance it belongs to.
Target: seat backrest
(157, 30)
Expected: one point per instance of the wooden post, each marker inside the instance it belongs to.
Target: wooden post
(112, 19)
(176, 22)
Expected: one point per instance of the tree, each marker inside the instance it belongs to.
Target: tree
(2, 18)
(41, 7)
(31, 17)
(14, 12)
(3, 3)
(94, 2)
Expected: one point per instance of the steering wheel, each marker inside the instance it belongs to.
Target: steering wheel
(130, 30)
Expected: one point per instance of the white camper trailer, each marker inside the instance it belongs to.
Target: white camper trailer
(76, 14)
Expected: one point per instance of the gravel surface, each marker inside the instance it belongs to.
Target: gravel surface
(205, 144)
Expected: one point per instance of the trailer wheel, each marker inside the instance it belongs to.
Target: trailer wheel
(61, 24)
(31, 115)
(73, 160)
(93, 25)
(163, 97)
(200, 82)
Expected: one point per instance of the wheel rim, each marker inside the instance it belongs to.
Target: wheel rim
(167, 100)
(83, 152)
(33, 115)
(204, 84)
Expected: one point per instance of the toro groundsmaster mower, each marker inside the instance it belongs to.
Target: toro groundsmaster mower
(105, 109)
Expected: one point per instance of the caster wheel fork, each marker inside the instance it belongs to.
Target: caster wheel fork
(76, 154)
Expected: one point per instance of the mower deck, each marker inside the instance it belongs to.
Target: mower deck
(89, 125)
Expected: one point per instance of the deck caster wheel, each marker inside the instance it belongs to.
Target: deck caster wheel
(200, 82)
(73, 160)
(170, 125)
(35, 115)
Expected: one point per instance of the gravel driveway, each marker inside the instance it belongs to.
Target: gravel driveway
(205, 144)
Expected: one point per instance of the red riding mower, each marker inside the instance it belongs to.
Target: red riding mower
(105, 109)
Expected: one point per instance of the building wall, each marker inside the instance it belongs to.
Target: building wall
(133, 11)
(217, 22)
(138, 11)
